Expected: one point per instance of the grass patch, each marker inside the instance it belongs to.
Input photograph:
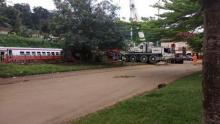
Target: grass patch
(11, 70)
(178, 103)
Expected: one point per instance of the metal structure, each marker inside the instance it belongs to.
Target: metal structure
(133, 12)
(133, 16)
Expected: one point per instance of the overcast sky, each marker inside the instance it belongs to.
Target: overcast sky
(143, 6)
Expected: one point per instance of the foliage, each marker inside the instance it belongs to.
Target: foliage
(9, 17)
(23, 21)
(180, 16)
(124, 28)
(24, 14)
(196, 43)
(41, 18)
(17, 41)
(152, 30)
(178, 103)
(87, 25)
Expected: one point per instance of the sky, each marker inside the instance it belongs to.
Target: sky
(143, 6)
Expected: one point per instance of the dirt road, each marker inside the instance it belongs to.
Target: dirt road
(57, 98)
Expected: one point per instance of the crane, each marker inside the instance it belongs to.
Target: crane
(134, 18)
(133, 12)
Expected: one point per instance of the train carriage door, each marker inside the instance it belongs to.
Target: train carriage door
(2, 55)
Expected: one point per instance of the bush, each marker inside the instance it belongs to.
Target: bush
(17, 41)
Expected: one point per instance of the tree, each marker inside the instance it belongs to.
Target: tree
(3, 18)
(2, 3)
(152, 30)
(196, 42)
(39, 16)
(25, 14)
(87, 25)
(125, 29)
(181, 17)
(211, 62)
(10, 17)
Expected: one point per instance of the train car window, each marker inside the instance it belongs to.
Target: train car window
(28, 53)
(48, 53)
(39, 53)
(57, 53)
(33, 53)
(44, 53)
(22, 53)
(52, 53)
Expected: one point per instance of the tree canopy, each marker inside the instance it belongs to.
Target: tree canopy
(22, 20)
(181, 20)
(87, 25)
(180, 15)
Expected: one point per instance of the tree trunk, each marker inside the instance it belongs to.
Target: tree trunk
(211, 62)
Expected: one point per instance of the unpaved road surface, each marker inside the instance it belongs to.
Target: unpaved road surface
(58, 98)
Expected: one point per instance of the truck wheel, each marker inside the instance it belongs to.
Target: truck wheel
(126, 59)
(181, 62)
(144, 59)
(153, 59)
(133, 58)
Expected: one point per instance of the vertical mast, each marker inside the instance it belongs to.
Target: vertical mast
(132, 16)
(133, 13)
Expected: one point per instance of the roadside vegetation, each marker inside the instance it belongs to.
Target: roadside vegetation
(11, 70)
(18, 41)
(178, 103)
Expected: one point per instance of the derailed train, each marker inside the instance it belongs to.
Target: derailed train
(22, 54)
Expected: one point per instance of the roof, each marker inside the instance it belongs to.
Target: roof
(5, 29)
(28, 48)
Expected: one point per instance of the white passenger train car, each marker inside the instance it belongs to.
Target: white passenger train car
(16, 54)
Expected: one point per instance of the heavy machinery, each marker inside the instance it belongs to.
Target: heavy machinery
(146, 52)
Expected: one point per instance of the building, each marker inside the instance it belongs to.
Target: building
(4, 30)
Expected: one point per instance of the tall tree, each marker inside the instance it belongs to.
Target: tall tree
(25, 14)
(87, 25)
(211, 62)
(10, 17)
(3, 18)
(180, 15)
(39, 16)
(2, 3)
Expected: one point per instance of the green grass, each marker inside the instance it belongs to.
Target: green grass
(178, 103)
(11, 70)
(17, 41)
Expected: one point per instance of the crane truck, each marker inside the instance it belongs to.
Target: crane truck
(146, 52)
